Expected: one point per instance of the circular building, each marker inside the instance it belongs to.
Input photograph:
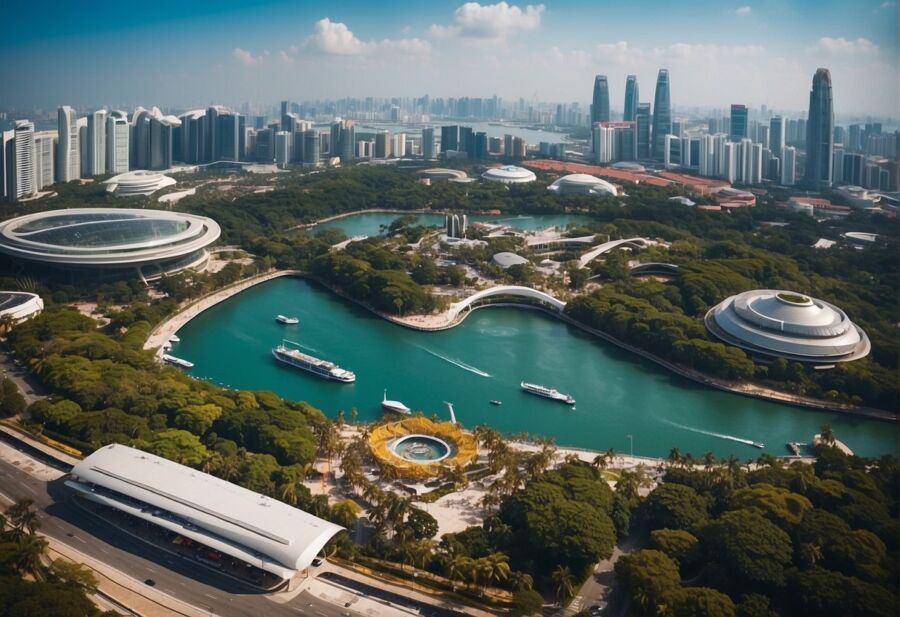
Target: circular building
(784, 324)
(509, 174)
(18, 306)
(137, 183)
(153, 242)
(582, 184)
(507, 259)
(629, 166)
(418, 447)
(440, 174)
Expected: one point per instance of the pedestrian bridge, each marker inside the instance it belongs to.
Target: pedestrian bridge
(505, 290)
(635, 243)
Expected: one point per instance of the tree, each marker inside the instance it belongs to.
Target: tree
(344, 513)
(674, 506)
(526, 602)
(30, 556)
(745, 551)
(12, 402)
(23, 518)
(698, 602)
(73, 575)
(647, 577)
(565, 584)
(678, 544)
(827, 435)
(779, 505)
(421, 523)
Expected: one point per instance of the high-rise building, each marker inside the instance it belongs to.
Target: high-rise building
(282, 147)
(853, 168)
(756, 164)
(672, 153)
(739, 126)
(21, 180)
(662, 115)
(347, 141)
(44, 155)
(820, 132)
(455, 225)
(467, 140)
(96, 145)
(398, 145)
(604, 140)
(632, 96)
(642, 119)
(729, 162)
(68, 153)
(311, 147)
(776, 134)
(428, 143)
(744, 153)
(449, 138)
(82, 146)
(117, 143)
(600, 101)
(706, 164)
(788, 165)
(265, 145)
(481, 145)
(382, 144)
(837, 165)
(855, 138)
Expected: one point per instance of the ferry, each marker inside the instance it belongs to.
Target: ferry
(394, 406)
(311, 364)
(177, 361)
(551, 393)
(289, 321)
(496, 402)
(174, 339)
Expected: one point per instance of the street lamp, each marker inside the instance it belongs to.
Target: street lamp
(631, 444)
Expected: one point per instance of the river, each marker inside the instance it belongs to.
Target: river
(484, 358)
(370, 224)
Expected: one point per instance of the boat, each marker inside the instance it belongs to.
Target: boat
(394, 406)
(174, 339)
(551, 393)
(288, 321)
(796, 447)
(496, 402)
(311, 364)
(758, 444)
(177, 361)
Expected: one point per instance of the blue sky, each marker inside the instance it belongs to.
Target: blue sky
(194, 53)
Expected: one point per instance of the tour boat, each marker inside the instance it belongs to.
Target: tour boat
(311, 364)
(290, 321)
(496, 402)
(394, 406)
(177, 361)
(174, 339)
(551, 393)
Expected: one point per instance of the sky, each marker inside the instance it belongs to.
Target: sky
(185, 54)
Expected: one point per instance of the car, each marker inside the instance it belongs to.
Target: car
(598, 610)
(150, 582)
(317, 561)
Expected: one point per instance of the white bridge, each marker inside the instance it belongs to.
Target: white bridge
(635, 243)
(505, 290)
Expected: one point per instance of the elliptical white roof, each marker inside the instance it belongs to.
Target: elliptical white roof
(582, 183)
(789, 325)
(239, 522)
(509, 174)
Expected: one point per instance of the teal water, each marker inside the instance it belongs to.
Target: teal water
(484, 358)
(370, 224)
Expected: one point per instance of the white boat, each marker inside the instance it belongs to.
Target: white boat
(289, 321)
(174, 339)
(311, 364)
(551, 393)
(394, 406)
(177, 361)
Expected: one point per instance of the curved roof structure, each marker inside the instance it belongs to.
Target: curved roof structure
(137, 183)
(224, 516)
(507, 259)
(788, 325)
(440, 173)
(505, 290)
(109, 238)
(20, 305)
(628, 166)
(636, 243)
(582, 184)
(509, 174)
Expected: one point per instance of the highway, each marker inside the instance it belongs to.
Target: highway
(183, 579)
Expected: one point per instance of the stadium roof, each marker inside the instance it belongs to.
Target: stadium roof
(229, 518)
(509, 174)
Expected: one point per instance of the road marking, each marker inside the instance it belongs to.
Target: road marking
(210, 596)
(103, 550)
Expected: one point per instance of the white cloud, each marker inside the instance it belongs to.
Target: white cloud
(489, 21)
(743, 10)
(335, 38)
(246, 58)
(845, 47)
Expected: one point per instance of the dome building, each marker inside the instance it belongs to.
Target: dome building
(137, 183)
(153, 242)
(784, 324)
(506, 260)
(582, 184)
(509, 174)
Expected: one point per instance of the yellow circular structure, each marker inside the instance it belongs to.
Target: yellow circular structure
(419, 448)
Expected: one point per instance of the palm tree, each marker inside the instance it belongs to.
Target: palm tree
(709, 461)
(675, 457)
(519, 581)
(22, 516)
(496, 567)
(599, 462)
(30, 555)
(459, 568)
(565, 589)
(827, 435)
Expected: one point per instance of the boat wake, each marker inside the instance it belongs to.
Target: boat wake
(749, 442)
(455, 362)
(307, 348)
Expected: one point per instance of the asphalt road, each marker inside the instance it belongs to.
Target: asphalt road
(180, 578)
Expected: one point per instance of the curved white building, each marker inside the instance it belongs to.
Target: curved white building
(509, 174)
(20, 305)
(439, 174)
(785, 324)
(582, 184)
(137, 183)
(506, 260)
(253, 528)
(152, 241)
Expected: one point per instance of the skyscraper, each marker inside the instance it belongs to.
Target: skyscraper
(449, 138)
(789, 165)
(117, 147)
(662, 115)
(311, 147)
(428, 143)
(68, 155)
(739, 126)
(632, 96)
(820, 132)
(600, 102)
(96, 146)
(22, 183)
(776, 135)
(642, 119)
(44, 155)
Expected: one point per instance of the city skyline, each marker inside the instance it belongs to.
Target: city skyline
(751, 53)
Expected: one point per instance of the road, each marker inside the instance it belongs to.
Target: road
(65, 521)
(27, 383)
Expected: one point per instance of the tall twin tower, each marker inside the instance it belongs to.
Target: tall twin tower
(662, 108)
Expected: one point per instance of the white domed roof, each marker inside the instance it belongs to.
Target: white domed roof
(583, 183)
(509, 174)
(788, 324)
